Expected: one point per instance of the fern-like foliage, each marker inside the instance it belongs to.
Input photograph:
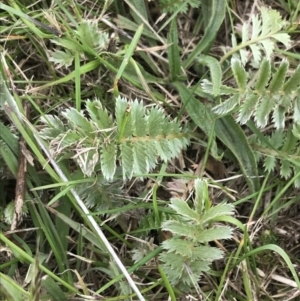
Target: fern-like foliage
(88, 37)
(279, 150)
(187, 254)
(99, 194)
(259, 36)
(271, 94)
(136, 138)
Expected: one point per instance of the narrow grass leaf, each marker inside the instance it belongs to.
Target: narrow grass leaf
(217, 9)
(12, 288)
(9, 157)
(77, 82)
(173, 51)
(83, 70)
(49, 230)
(89, 235)
(8, 103)
(125, 23)
(128, 54)
(230, 133)
(278, 250)
(142, 79)
(28, 258)
(200, 113)
(141, 8)
(9, 138)
(167, 283)
(92, 221)
(114, 62)
(25, 18)
(53, 289)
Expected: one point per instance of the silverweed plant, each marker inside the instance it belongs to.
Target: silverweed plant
(244, 101)
(136, 138)
(187, 254)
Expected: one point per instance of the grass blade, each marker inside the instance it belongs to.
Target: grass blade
(127, 57)
(230, 133)
(216, 19)
(173, 52)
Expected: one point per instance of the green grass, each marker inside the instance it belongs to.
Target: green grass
(139, 236)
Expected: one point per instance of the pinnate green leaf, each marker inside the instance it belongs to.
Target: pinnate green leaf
(89, 34)
(108, 160)
(137, 138)
(285, 169)
(239, 73)
(99, 114)
(269, 163)
(216, 211)
(279, 77)
(139, 158)
(127, 159)
(263, 111)
(138, 119)
(182, 208)
(247, 108)
(206, 253)
(227, 106)
(263, 76)
(180, 228)
(65, 140)
(214, 233)
(266, 32)
(61, 58)
(79, 122)
(293, 82)
(155, 122)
